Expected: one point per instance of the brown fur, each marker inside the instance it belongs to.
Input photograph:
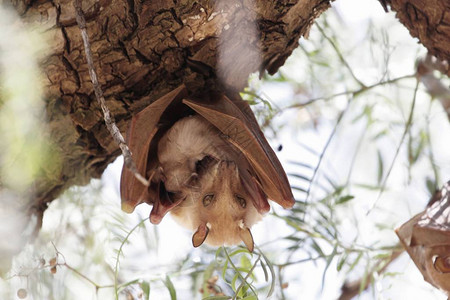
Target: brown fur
(224, 216)
(187, 142)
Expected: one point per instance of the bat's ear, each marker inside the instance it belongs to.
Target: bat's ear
(200, 235)
(247, 238)
(164, 202)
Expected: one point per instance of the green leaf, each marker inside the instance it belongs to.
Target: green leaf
(241, 250)
(328, 262)
(272, 273)
(217, 255)
(365, 277)
(224, 269)
(341, 262)
(168, 283)
(344, 199)
(145, 286)
(233, 282)
(128, 283)
(356, 261)
(263, 266)
(251, 297)
(246, 264)
(380, 167)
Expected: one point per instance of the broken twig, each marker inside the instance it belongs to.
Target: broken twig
(110, 124)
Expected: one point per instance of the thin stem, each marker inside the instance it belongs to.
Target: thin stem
(247, 276)
(110, 124)
(431, 157)
(354, 93)
(97, 286)
(405, 132)
(116, 267)
(338, 52)
(322, 154)
(351, 289)
(236, 269)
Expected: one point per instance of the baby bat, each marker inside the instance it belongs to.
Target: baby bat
(426, 238)
(208, 163)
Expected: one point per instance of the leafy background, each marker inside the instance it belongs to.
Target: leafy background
(364, 146)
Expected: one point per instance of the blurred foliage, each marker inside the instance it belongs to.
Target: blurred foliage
(362, 144)
(22, 123)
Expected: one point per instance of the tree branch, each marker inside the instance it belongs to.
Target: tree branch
(351, 289)
(110, 124)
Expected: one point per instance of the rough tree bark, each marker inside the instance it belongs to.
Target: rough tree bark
(144, 49)
(429, 21)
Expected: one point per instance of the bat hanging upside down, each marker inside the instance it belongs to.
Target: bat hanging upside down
(426, 238)
(208, 163)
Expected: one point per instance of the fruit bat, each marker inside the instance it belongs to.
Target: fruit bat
(426, 238)
(207, 162)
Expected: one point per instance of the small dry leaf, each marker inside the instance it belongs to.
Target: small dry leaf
(22, 293)
(53, 262)
(53, 270)
(285, 285)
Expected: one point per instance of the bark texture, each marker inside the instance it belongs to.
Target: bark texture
(429, 21)
(144, 49)
(141, 51)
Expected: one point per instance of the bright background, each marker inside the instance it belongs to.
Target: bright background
(353, 138)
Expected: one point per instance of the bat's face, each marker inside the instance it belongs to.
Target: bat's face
(186, 150)
(221, 208)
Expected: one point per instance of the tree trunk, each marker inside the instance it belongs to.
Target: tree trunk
(429, 21)
(144, 49)
(141, 51)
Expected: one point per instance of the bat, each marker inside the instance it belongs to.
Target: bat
(208, 164)
(426, 238)
(205, 170)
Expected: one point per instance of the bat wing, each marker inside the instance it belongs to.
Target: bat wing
(417, 254)
(433, 228)
(143, 128)
(426, 238)
(244, 133)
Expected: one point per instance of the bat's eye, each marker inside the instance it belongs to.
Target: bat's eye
(442, 264)
(241, 201)
(208, 199)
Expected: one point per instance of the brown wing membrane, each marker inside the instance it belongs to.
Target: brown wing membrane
(426, 237)
(244, 133)
(143, 128)
(417, 254)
